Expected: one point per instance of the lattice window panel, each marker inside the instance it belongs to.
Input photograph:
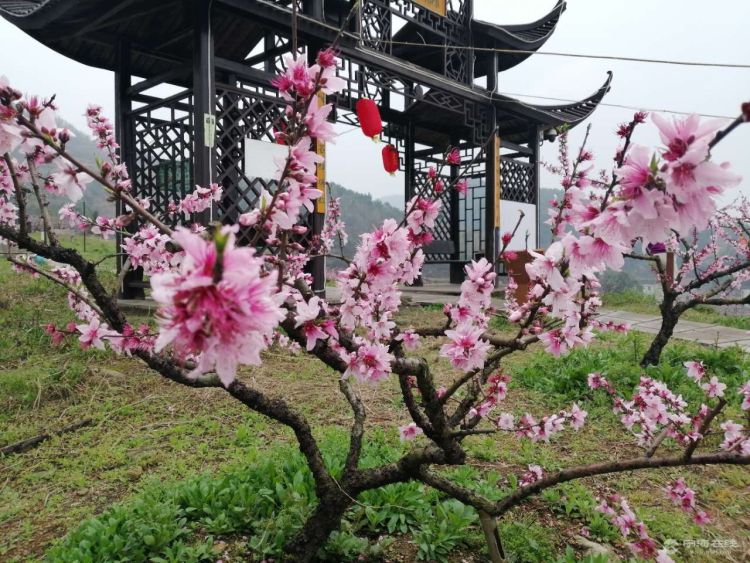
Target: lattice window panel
(443, 224)
(472, 205)
(453, 30)
(376, 26)
(518, 180)
(242, 114)
(161, 164)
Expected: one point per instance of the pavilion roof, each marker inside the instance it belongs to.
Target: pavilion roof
(161, 41)
(514, 43)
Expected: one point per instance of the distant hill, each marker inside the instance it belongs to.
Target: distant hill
(394, 200)
(362, 214)
(84, 149)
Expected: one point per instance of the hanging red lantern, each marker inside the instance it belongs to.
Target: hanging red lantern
(369, 118)
(390, 159)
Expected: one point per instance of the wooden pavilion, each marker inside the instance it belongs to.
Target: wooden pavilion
(192, 91)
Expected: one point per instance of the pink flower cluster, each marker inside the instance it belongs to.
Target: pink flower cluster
(465, 349)
(101, 127)
(409, 432)
(696, 371)
(421, 214)
(334, 229)
(312, 328)
(68, 181)
(410, 339)
(654, 408)
(736, 438)
(10, 133)
(147, 249)
(535, 473)
(75, 220)
(371, 362)
(94, 334)
(369, 291)
(8, 211)
(219, 307)
(495, 393)
(199, 200)
(684, 497)
(545, 428)
(282, 209)
(622, 516)
(654, 195)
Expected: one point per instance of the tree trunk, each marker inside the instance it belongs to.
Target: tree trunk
(325, 519)
(668, 323)
(492, 536)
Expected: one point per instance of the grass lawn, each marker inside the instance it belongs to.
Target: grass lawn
(183, 475)
(637, 302)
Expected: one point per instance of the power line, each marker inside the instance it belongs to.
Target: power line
(527, 52)
(572, 55)
(575, 55)
(622, 106)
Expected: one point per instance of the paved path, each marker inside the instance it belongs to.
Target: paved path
(714, 335)
(437, 294)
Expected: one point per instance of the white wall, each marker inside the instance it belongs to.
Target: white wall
(261, 158)
(509, 211)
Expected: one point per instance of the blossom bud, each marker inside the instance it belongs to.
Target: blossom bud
(326, 57)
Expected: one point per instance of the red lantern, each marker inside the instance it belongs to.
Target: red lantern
(369, 118)
(390, 159)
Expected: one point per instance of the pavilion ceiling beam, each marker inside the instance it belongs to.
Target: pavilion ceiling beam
(265, 55)
(159, 79)
(152, 102)
(243, 70)
(180, 35)
(106, 19)
(515, 147)
(139, 49)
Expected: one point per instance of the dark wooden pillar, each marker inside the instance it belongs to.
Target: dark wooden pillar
(314, 8)
(204, 104)
(536, 181)
(409, 176)
(317, 265)
(456, 267)
(492, 198)
(132, 281)
(492, 72)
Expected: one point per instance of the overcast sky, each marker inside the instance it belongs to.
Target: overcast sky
(691, 30)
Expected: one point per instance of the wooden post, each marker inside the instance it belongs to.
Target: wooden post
(492, 536)
(204, 104)
(456, 267)
(317, 266)
(124, 136)
(492, 72)
(314, 8)
(492, 199)
(670, 268)
(536, 181)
